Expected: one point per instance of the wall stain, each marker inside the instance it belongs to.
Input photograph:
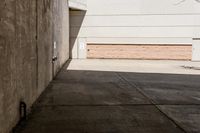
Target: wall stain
(46, 5)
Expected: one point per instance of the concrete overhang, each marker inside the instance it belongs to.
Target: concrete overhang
(78, 4)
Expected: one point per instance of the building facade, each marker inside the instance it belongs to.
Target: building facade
(136, 29)
(38, 36)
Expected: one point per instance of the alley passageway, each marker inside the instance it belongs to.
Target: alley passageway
(104, 96)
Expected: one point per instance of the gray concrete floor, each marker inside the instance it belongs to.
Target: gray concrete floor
(119, 96)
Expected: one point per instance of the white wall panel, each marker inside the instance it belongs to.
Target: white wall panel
(136, 20)
(82, 47)
(172, 41)
(196, 50)
(132, 32)
(120, 7)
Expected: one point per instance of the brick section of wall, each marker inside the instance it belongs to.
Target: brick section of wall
(157, 52)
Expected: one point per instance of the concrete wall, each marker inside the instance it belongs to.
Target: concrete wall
(61, 32)
(134, 22)
(27, 33)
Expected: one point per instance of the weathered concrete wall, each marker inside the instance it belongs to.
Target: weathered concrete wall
(44, 43)
(26, 48)
(61, 32)
(18, 62)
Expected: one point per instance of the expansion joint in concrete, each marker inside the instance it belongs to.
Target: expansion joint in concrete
(151, 101)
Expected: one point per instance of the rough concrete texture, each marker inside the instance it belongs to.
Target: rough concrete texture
(187, 116)
(104, 119)
(61, 32)
(26, 43)
(83, 101)
(167, 89)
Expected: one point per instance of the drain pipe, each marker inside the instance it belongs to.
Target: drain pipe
(22, 115)
(22, 110)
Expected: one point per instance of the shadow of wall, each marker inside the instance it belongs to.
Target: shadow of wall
(76, 21)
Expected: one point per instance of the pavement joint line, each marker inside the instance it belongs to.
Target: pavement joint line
(150, 100)
(171, 119)
(56, 81)
(136, 87)
(123, 105)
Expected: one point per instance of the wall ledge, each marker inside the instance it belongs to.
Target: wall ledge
(78, 4)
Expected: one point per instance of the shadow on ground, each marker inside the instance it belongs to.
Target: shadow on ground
(116, 102)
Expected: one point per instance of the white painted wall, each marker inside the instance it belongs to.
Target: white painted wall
(196, 50)
(78, 4)
(135, 22)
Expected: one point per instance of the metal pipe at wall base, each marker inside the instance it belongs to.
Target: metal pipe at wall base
(22, 110)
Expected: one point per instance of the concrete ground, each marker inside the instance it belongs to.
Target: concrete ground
(119, 96)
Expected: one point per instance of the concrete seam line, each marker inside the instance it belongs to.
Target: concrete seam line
(105, 105)
(153, 103)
